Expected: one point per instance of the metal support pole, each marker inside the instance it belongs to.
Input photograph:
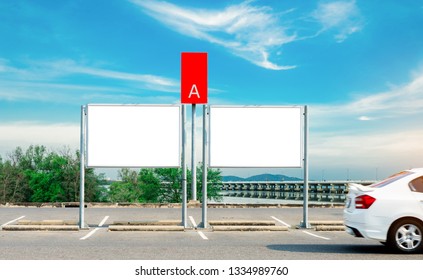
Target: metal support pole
(305, 223)
(82, 171)
(204, 223)
(193, 163)
(184, 169)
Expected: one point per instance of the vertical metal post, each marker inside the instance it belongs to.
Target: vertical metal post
(184, 169)
(204, 183)
(305, 223)
(194, 165)
(82, 171)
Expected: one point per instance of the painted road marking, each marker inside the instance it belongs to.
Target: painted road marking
(195, 226)
(280, 221)
(202, 235)
(96, 229)
(103, 221)
(192, 221)
(12, 221)
(315, 235)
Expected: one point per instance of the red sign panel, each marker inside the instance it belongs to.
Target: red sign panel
(194, 78)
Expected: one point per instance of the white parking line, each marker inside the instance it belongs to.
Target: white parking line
(282, 222)
(89, 234)
(192, 221)
(12, 221)
(103, 221)
(202, 235)
(315, 235)
(96, 229)
(195, 226)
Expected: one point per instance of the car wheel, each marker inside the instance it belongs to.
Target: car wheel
(405, 236)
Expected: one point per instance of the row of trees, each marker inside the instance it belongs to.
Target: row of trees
(161, 185)
(40, 175)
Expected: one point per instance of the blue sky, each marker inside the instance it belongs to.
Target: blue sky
(358, 65)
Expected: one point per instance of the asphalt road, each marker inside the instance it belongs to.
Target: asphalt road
(98, 243)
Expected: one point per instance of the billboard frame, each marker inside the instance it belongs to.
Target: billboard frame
(87, 138)
(300, 136)
(84, 153)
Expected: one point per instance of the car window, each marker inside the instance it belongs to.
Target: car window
(391, 179)
(416, 185)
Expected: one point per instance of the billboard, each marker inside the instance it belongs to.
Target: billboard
(255, 136)
(133, 135)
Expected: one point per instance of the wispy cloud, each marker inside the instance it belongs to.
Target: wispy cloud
(69, 81)
(252, 32)
(248, 31)
(343, 17)
(380, 129)
(398, 102)
(153, 82)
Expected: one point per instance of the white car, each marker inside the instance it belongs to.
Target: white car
(390, 211)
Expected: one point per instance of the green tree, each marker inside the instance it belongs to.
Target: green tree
(161, 185)
(170, 184)
(126, 189)
(214, 181)
(136, 187)
(46, 179)
(39, 175)
(14, 185)
(149, 184)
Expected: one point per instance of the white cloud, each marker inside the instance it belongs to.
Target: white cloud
(154, 82)
(24, 134)
(390, 151)
(252, 32)
(248, 31)
(51, 81)
(398, 103)
(364, 118)
(341, 16)
(381, 130)
(407, 99)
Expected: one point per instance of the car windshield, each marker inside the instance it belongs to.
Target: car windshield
(391, 179)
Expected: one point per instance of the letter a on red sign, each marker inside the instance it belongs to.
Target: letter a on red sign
(194, 78)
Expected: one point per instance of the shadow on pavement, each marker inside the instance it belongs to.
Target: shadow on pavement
(331, 248)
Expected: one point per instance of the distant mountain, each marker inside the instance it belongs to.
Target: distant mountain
(231, 178)
(261, 177)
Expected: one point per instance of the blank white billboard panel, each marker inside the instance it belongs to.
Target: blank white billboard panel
(133, 136)
(255, 137)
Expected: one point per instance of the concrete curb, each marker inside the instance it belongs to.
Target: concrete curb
(245, 225)
(328, 225)
(241, 223)
(250, 228)
(148, 223)
(217, 225)
(145, 228)
(330, 228)
(40, 228)
(44, 225)
(49, 222)
(328, 222)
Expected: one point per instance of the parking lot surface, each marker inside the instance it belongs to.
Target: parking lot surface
(98, 243)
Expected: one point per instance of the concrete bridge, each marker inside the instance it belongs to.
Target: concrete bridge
(281, 189)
